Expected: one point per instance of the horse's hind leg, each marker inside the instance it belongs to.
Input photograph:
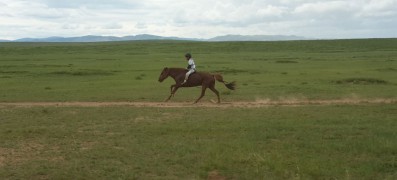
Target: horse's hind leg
(216, 92)
(202, 93)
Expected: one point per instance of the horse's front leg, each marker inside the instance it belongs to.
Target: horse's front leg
(168, 98)
(174, 88)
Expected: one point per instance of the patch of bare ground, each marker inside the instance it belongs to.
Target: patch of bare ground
(240, 104)
(25, 153)
(214, 175)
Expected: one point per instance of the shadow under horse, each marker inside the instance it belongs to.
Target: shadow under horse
(203, 79)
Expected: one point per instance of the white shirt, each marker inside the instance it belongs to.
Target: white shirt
(191, 64)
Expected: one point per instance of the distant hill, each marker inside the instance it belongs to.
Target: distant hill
(99, 38)
(91, 38)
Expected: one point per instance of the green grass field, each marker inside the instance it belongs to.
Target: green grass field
(338, 141)
(128, 71)
(308, 142)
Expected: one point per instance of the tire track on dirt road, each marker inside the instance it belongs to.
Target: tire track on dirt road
(236, 104)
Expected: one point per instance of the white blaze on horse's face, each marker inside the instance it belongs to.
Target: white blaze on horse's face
(163, 75)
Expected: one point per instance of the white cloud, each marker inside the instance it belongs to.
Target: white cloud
(324, 7)
(198, 18)
(378, 8)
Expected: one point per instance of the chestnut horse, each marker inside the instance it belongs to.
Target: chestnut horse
(203, 79)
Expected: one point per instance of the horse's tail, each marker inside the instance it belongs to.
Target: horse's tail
(231, 86)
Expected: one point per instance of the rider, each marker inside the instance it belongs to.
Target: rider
(191, 66)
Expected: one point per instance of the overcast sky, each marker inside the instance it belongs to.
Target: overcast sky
(198, 18)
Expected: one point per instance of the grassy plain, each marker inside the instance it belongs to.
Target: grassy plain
(275, 142)
(306, 142)
(128, 71)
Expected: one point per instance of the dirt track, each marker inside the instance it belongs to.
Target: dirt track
(240, 104)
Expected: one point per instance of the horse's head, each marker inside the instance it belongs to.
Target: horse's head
(164, 74)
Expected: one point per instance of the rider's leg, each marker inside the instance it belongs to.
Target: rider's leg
(187, 75)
